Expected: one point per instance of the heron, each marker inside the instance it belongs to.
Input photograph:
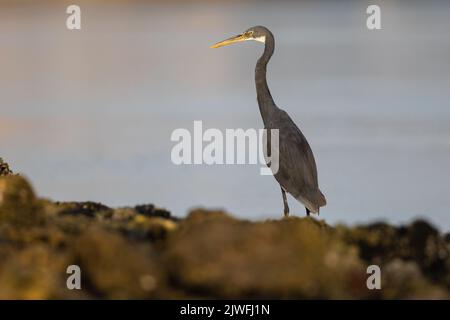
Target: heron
(297, 171)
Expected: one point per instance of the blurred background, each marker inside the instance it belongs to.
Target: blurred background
(87, 115)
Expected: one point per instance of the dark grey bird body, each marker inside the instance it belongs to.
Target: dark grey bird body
(297, 171)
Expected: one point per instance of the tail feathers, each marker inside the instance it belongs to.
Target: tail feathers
(321, 201)
(314, 201)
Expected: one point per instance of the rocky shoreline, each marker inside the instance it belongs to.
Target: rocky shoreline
(144, 252)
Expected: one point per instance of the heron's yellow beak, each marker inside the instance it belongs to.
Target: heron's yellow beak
(239, 38)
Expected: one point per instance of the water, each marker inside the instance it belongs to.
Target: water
(88, 115)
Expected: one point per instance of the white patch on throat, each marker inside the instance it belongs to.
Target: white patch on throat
(259, 39)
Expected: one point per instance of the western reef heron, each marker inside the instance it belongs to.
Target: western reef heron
(297, 171)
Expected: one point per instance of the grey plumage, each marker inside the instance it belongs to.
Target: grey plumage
(297, 172)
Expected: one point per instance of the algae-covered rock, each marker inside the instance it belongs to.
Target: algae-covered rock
(36, 272)
(419, 242)
(142, 227)
(18, 203)
(4, 168)
(214, 255)
(144, 252)
(403, 279)
(115, 268)
(151, 210)
(88, 208)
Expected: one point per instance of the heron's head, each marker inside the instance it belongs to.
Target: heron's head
(257, 33)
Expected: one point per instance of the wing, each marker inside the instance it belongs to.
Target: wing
(297, 171)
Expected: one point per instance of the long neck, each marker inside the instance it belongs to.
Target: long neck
(265, 101)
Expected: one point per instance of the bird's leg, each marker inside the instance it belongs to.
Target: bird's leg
(307, 211)
(286, 207)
